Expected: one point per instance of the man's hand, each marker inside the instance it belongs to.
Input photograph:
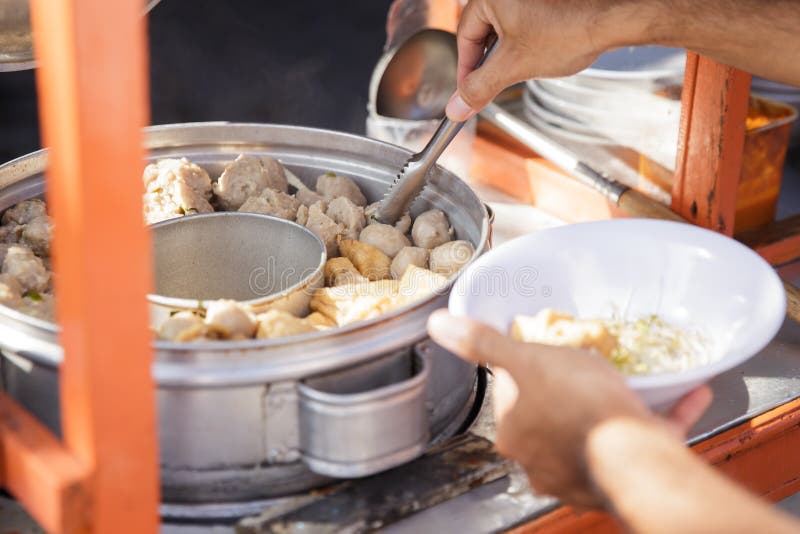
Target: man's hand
(537, 39)
(550, 38)
(549, 399)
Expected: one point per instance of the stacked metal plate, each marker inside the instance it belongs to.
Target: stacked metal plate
(629, 97)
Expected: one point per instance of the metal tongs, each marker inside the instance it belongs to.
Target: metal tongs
(412, 177)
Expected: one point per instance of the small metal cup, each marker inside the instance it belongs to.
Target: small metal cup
(261, 261)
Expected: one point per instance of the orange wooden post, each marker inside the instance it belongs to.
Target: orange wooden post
(710, 143)
(93, 101)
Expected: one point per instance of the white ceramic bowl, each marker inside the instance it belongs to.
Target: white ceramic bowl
(688, 276)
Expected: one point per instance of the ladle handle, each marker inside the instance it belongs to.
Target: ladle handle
(448, 129)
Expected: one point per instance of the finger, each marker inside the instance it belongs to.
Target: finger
(683, 416)
(480, 86)
(473, 28)
(473, 340)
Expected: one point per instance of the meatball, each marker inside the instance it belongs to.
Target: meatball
(26, 268)
(41, 306)
(36, 235)
(449, 258)
(307, 196)
(182, 326)
(278, 323)
(385, 238)
(248, 176)
(403, 224)
(233, 321)
(10, 291)
(331, 186)
(326, 228)
(175, 187)
(3, 251)
(343, 211)
(302, 215)
(11, 232)
(431, 229)
(409, 256)
(272, 202)
(25, 211)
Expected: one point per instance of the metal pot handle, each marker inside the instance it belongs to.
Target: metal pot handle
(349, 434)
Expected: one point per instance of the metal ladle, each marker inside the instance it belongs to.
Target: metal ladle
(428, 48)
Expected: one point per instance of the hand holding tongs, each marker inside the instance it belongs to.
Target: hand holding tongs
(412, 177)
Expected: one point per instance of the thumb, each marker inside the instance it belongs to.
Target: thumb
(478, 88)
(472, 340)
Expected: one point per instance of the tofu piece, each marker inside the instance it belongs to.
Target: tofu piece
(347, 304)
(319, 321)
(418, 283)
(279, 323)
(370, 262)
(556, 328)
(339, 271)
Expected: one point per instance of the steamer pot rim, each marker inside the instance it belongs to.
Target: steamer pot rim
(174, 351)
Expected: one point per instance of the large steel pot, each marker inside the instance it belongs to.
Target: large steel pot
(236, 418)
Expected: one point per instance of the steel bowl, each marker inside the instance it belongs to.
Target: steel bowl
(260, 261)
(16, 38)
(228, 412)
